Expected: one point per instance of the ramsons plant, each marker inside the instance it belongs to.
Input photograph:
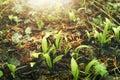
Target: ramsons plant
(58, 41)
(99, 69)
(12, 69)
(47, 51)
(103, 37)
(39, 23)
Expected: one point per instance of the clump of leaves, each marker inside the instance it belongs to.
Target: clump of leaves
(99, 69)
(47, 51)
(40, 23)
(103, 37)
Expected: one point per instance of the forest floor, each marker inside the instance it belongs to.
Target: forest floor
(76, 42)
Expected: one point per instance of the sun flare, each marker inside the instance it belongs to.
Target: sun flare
(48, 4)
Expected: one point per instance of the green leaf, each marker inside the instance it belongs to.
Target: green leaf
(48, 60)
(15, 18)
(40, 23)
(117, 32)
(72, 16)
(52, 49)
(80, 47)
(58, 38)
(105, 31)
(88, 35)
(74, 69)
(90, 64)
(12, 67)
(57, 58)
(100, 69)
(44, 45)
(1, 73)
(67, 48)
(32, 64)
(35, 55)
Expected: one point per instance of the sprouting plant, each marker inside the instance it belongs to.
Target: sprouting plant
(44, 45)
(40, 23)
(72, 16)
(74, 69)
(14, 18)
(99, 69)
(58, 41)
(117, 32)
(103, 37)
(12, 69)
(88, 35)
(47, 51)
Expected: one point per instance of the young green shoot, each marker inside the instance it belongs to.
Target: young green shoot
(58, 41)
(57, 58)
(48, 60)
(14, 18)
(12, 69)
(40, 23)
(44, 45)
(74, 69)
(117, 32)
(103, 36)
(72, 16)
(88, 35)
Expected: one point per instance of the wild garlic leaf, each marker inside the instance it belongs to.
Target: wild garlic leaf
(57, 58)
(12, 68)
(74, 69)
(44, 45)
(1, 73)
(48, 60)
